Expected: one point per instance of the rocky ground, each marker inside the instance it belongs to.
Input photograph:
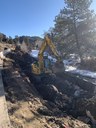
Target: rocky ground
(60, 101)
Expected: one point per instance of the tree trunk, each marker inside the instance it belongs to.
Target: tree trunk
(76, 35)
(77, 42)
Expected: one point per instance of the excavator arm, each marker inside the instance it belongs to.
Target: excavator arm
(52, 47)
(40, 55)
(47, 42)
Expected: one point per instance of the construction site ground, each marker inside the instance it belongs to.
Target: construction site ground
(52, 103)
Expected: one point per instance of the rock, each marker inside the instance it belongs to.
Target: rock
(88, 113)
(44, 111)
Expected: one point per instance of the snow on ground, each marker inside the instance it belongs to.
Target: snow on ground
(82, 72)
(34, 53)
(74, 70)
(70, 68)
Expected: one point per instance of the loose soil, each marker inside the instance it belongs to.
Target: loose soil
(46, 104)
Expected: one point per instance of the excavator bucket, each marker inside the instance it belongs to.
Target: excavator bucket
(58, 67)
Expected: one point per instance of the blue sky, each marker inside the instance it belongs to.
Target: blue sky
(29, 17)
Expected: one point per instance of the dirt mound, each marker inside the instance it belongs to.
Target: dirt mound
(55, 103)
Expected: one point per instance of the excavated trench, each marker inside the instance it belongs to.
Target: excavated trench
(68, 93)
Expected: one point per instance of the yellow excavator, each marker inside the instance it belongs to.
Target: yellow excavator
(39, 67)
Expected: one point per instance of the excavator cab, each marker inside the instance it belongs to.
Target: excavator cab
(43, 65)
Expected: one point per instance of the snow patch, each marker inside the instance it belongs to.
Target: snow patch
(86, 73)
(69, 68)
(34, 53)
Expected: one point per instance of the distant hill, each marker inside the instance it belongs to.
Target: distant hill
(31, 39)
(35, 41)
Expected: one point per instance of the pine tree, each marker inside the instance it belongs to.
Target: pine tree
(75, 27)
(10, 40)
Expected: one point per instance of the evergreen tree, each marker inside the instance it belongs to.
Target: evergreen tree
(10, 40)
(75, 27)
